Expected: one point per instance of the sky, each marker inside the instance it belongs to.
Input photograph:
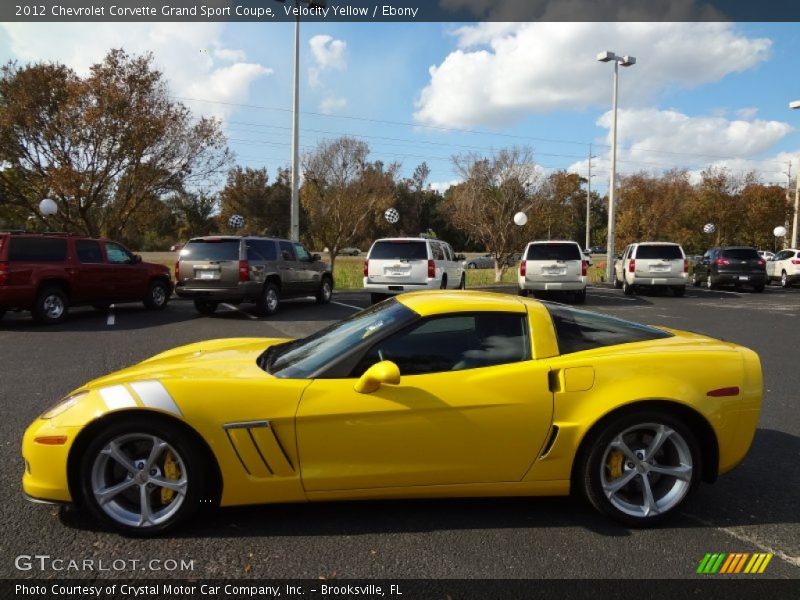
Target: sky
(700, 94)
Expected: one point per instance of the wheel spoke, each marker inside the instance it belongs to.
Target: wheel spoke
(159, 446)
(114, 451)
(108, 493)
(662, 434)
(682, 472)
(614, 486)
(146, 515)
(178, 486)
(620, 445)
(649, 505)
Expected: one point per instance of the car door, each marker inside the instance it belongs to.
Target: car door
(129, 276)
(307, 275)
(93, 279)
(777, 264)
(454, 268)
(287, 269)
(471, 407)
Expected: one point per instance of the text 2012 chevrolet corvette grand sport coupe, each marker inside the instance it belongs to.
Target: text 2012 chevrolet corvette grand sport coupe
(430, 394)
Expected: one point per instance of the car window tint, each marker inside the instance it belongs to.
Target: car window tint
(453, 343)
(554, 252)
(38, 249)
(261, 250)
(88, 251)
(666, 251)
(211, 249)
(117, 254)
(399, 249)
(578, 330)
(302, 253)
(741, 254)
(448, 252)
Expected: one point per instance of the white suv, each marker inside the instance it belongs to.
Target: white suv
(784, 267)
(553, 266)
(397, 265)
(652, 264)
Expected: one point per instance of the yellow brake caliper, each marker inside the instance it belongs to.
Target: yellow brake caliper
(171, 471)
(614, 464)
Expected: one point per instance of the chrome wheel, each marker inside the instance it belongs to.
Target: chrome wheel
(139, 480)
(784, 280)
(326, 290)
(159, 295)
(53, 305)
(646, 470)
(709, 283)
(271, 299)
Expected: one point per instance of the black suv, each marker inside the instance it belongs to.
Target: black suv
(235, 269)
(731, 265)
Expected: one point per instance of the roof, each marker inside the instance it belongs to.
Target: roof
(656, 244)
(438, 302)
(405, 239)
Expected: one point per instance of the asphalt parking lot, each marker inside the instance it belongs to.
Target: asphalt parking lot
(753, 509)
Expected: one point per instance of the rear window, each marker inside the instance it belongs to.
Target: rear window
(741, 254)
(212, 249)
(38, 249)
(668, 252)
(554, 252)
(399, 250)
(578, 330)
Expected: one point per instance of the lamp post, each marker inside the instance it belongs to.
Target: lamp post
(795, 105)
(625, 61)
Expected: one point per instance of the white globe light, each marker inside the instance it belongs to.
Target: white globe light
(48, 207)
(709, 228)
(520, 218)
(392, 215)
(236, 222)
(779, 231)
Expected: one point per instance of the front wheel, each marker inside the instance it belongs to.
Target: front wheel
(785, 281)
(463, 284)
(640, 467)
(142, 477)
(325, 292)
(157, 295)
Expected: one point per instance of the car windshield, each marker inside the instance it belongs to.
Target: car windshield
(211, 249)
(409, 250)
(665, 251)
(741, 254)
(578, 330)
(554, 252)
(300, 359)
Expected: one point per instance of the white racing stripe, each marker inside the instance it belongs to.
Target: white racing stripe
(153, 394)
(117, 396)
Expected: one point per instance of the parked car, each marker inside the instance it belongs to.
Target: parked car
(485, 261)
(349, 251)
(588, 258)
(784, 267)
(429, 394)
(653, 265)
(236, 269)
(731, 265)
(396, 265)
(49, 273)
(176, 248)
(766, 254)
(553, 266)
(597, 250)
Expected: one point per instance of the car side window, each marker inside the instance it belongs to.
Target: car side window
(448, 252)
(88, 251)
(453, 343)
(117, 255)
(302, 253)
(287, 252)
(438, 253)
(261, 250)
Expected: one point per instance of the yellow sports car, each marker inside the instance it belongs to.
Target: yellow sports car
(429, 394)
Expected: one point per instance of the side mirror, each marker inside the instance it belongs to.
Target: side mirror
(460, 257)
(137, 258)
(384, 372)
(316, 258)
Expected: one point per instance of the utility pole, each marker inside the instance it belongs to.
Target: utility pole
(589, 201)
(796, 206)
(294, 222)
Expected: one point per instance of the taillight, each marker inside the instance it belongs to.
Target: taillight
(584, 268)
(722, 261)
(244, 270)
(761, 263)
(431, 269)
(685, 265)
(4, 273)
(632, 266)
(177, 270)
(366, 268)
(523, 265)
(795, 261)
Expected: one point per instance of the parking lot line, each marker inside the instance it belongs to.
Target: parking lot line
(239, 310)
(347, 305)
(111, 318)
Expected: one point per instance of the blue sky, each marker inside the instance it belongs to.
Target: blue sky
(700, 94)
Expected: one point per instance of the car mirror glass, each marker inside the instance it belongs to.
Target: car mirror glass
(384, 372)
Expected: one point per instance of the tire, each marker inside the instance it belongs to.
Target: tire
(52, 306)
(472, 266)
(617, 282)
(325, 292)
(710, 282)
(137, 440)
(678, 291)
(375, 298)
(785, 281)
(523, 293)
(628, 504)
(580, 297)
(269, 301)
(443, 285)
(695, 281)
(463, 284)
(206, 307)
(157, 295)
(627, 288)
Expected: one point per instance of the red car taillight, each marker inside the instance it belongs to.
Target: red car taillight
(762, 263)
(795, 261)
(431, 269)
(3, 273)
(584, 268)
(177, 270)
(722, 261)
(685, 265)
(632, 266)
(366, 268)
(523, 266)
(244, 270)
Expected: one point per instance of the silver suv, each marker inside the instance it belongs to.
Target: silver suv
(234, 269)
(652, 264)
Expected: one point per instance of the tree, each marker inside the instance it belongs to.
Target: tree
(101, 146)
(493, 190)
(264, 206)
(343, 193)
(194, 214)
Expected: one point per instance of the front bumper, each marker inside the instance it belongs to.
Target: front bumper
(45, 476)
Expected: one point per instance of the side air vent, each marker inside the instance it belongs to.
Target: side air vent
(259, 449)
(550, 441)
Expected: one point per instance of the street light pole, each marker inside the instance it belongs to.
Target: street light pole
(795, 104)
(294, 228)
(625, 61)
(589, 201)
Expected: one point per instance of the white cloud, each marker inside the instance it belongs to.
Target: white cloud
(443, 186)
(194, 60)
(500, 71)
(747, 113)
(330, 104)
(328, 54)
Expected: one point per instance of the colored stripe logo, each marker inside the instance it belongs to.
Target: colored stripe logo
(734, 563)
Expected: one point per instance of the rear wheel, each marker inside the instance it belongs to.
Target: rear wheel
(710, 284)
(523, 292)
(678, 291)
(627, 288)
(640, 467)
(463, 284)
(157, 295)
(325, 292)
(269, 300)
(52, 306)
(785, 280)
(205, 307)
(580, 297)
(617, 282)
(695, 281)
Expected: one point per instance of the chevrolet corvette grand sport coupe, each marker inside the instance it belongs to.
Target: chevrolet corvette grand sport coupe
(429, 394)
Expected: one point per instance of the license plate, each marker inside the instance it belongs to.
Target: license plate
(743, 278)
(397, 273)
(207, 275)
(555, 271)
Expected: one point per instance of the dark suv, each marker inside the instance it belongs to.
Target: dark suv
(48, 273)
(731, 265)
(234, 269)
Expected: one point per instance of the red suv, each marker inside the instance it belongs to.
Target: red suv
(48, 273)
